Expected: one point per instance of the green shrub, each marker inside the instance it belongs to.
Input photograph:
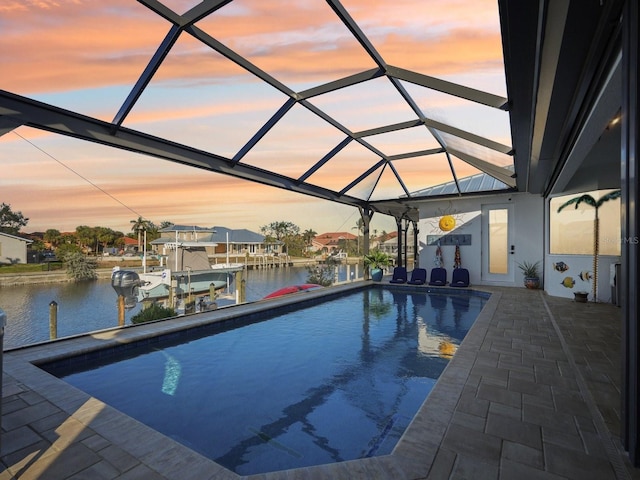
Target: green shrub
(377, 259)
(153, 312)
(67, 249)
(80, 267)
(321, 275)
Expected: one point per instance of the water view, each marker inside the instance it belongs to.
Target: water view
(88, 306)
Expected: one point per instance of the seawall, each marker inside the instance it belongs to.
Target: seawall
(59, 276)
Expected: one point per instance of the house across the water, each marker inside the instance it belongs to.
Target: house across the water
(219, 241)
(330, 243)
(13, 249)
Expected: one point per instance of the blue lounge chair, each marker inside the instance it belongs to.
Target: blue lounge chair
(438, 277)
(460, 277)
(399, 275)
(418, 276)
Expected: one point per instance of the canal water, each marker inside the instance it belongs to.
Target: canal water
(88, 306)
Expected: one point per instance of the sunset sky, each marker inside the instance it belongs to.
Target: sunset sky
(86, 56)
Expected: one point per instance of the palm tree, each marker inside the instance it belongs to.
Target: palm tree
(138, 226)
(360, 227)
(53, 237)
(589, 200)
(308, 236)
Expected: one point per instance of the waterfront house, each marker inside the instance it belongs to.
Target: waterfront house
(244, 242)
(129, 245)
(219, 241)
(332, 242)
(13, 249)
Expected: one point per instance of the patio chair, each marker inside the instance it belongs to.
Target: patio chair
(399, 275)
(438, 277)
(418, 276)
(460, 277)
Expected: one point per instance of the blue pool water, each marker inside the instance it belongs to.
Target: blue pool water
(334, 381)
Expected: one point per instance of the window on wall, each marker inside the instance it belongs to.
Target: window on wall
(571, 230)
(498, 241)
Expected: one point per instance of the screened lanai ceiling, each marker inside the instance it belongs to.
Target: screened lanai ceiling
(369, 104)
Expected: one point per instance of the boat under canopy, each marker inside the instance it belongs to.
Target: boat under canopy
(186, 273)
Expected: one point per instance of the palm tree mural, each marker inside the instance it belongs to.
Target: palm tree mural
(596, 204)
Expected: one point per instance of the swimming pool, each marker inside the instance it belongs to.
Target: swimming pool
(334, 381)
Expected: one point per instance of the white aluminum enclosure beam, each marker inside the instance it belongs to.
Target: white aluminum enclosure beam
(444, 86)
(15, 109)
(500, 173)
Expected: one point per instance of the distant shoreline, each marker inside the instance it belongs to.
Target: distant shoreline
(35, 278)
(60, 276)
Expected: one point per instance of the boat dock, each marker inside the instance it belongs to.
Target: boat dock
(257, 262)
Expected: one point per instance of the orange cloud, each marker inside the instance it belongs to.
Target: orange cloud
(186, 200)
(128, 185)
(53, 46)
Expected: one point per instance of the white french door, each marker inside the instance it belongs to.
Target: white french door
(497, 243)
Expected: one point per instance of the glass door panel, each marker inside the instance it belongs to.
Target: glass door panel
(497, 244)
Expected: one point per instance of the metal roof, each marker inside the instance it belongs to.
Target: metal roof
(187, 228)
(238, 236)
(472, 184)
(212, 235)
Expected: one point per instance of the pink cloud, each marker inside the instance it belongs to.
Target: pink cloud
(87, 45)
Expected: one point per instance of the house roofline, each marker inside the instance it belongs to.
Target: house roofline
(15, 237)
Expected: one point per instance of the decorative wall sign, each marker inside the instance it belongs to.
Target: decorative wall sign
(586, 276)
(447, 223)
(445, 220)
(560, 267)
(451, 239)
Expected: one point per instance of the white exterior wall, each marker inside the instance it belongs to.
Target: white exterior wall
(12, 249)
(563, 281)
(530, 239)
(556, 285)
(527, 225)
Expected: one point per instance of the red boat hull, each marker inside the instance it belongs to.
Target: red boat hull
(293, 289)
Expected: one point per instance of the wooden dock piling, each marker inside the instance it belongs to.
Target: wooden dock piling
(53, 320)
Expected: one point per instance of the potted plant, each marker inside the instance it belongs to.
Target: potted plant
(375, 261)
(531, 274)
(581, 296)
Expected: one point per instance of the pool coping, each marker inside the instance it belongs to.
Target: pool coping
(412, 457)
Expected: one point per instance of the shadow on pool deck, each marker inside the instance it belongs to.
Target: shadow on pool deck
(533, 392)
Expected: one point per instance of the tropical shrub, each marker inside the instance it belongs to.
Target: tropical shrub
(321, 275)
(377, 259)
(529, 269)
(80, 267)
(153, 312)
